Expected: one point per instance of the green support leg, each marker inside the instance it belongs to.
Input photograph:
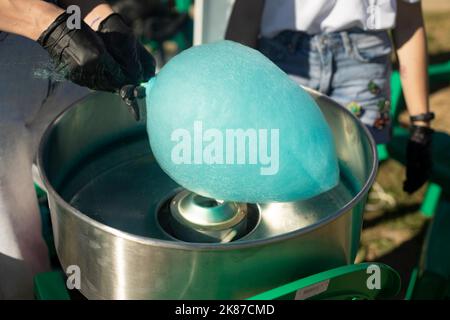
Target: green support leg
(433, 280)
(50, 286)
(183, 6)
(439, 72)
(397, 100)
(431, 200)
(412, 284)
(383, 153)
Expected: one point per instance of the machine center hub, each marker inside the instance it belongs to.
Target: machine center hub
(206, 213)
(195, 218)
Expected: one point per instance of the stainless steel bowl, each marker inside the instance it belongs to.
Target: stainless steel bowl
(107, 198)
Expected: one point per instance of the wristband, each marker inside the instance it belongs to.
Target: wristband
(425, 117)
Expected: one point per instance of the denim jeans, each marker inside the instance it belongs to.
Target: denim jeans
(352, 67)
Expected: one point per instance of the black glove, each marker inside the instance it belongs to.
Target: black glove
(418, 158)
(136, 62)
(80, 55)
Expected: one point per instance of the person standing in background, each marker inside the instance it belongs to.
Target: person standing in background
(342, 48)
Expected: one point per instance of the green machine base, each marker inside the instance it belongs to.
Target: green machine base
(351, 282)
(51, 286)
(431, 279)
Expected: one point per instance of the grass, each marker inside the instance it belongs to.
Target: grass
(437, 25)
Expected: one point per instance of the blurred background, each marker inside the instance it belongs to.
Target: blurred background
(396, 225)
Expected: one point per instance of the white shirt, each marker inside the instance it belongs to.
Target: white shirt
(318, 16)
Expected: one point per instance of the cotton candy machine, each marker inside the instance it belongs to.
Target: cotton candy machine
(135, 234)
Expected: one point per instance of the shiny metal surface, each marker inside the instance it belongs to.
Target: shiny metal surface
(195, 218)
(105, 192)
(205, 212)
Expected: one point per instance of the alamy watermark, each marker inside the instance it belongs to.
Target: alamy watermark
(371, 11)
(73, 281)
(74, 21)
(374, 280)
(258, 147)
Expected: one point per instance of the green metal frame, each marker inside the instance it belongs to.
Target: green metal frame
(437, 74)
(344, 283)
(50, 286)
(431, 280)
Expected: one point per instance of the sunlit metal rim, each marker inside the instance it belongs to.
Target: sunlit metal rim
(211, 246)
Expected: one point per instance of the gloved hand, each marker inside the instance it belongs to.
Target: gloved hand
(418, 158)
(81, 56)
(136, 62)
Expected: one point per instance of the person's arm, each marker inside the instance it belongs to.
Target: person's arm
(79, 54)
(410, 41)
(411, 47)
(28, 18)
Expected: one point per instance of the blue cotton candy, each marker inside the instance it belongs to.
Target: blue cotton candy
(202, 96)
